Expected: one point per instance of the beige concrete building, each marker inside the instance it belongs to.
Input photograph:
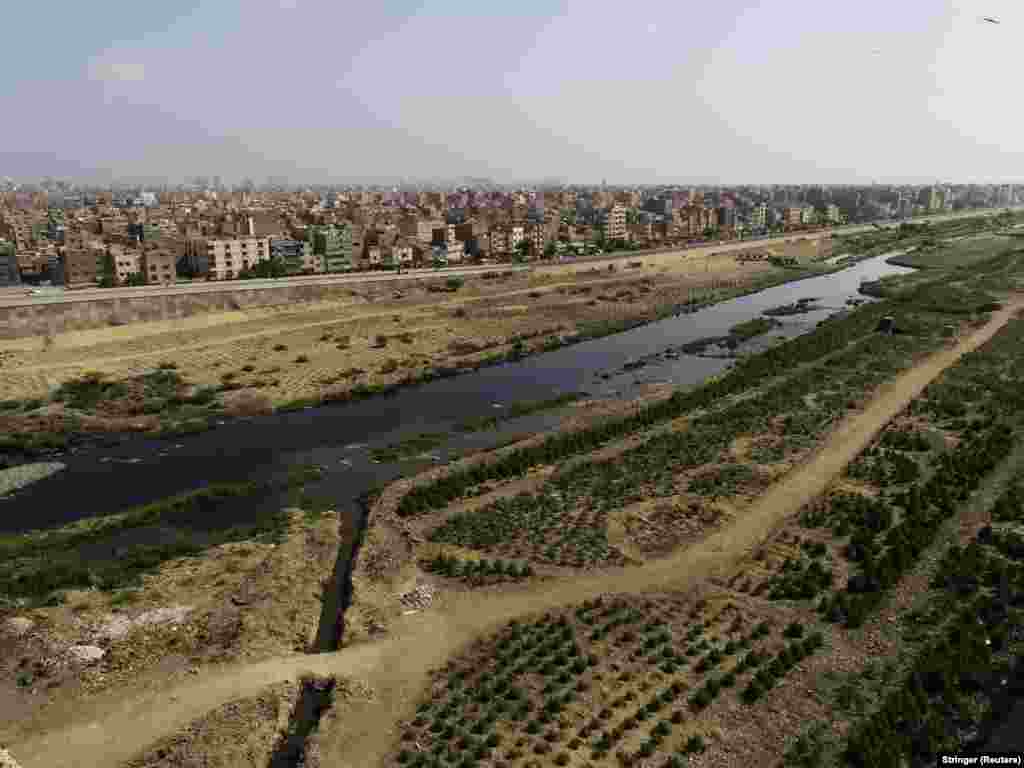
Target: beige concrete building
(126, 261)
(82, 266)
(456, 251)
(224, 258)
(615, 224)
(159, 267)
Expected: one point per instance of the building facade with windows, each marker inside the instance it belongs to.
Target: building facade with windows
(333, 244)
(296, 255)
(9, 272)
(225, 258)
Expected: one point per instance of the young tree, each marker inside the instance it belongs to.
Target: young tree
(108, 271)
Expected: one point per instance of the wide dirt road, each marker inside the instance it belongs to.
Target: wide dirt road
(111, 729)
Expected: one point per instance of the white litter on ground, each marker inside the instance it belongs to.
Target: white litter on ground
(118, 627)
(86, 654)
(19, 626)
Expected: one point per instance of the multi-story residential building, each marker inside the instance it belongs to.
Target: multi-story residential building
(536, 235)
(82, 266)
(420, 229)
(455, 252)
(832, 214)
(792, 215)
(505, 238)
(296, 255)
(158, 266)
(126, 261)
(759, 216)
(10, 274)
(612, 222)
(727, 216)
(17, 228)
(225, 258)
(335, 245)
(402, 253)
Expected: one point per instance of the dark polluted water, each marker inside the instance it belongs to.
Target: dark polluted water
(101, 481)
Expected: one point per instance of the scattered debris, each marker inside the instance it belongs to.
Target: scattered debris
(417, 599)
(18, 626)
(118, 627)
(86, 654)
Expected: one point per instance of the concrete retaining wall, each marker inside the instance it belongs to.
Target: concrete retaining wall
(43, 319)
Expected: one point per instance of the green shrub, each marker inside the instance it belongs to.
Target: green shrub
(752, 692)
(793, 630)
(695, 744)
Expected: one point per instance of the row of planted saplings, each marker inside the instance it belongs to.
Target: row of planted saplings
(547, 647)
(884, 559)
(747, 373)
(461, 725)
(968, 659)
(453, 567)
(800, 578)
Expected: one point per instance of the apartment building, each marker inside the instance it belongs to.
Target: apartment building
(792, 215)
(225, 258)
(17, 228)
(9, 271)
(422, 230)
(296, 255)
(759, 216)
(536, 235)
(159, 266)
(455, 251)
(126, 261)
(402, 253)
(334, 244)
(82, 266)
(615, 222)
(505, 238)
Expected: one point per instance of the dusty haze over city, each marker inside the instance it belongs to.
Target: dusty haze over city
(318, 91)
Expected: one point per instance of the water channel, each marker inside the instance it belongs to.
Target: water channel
(101, 481)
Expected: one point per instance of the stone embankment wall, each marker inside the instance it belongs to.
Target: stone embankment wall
(42, 319)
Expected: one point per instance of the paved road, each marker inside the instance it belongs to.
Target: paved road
(93, 294)
(117, 724)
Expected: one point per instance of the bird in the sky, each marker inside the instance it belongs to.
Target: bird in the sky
(990, 20)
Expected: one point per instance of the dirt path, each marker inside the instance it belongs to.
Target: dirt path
(112, 728)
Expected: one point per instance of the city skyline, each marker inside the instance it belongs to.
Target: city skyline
(315, 93)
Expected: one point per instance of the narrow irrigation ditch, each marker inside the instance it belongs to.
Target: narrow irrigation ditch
(316, 694)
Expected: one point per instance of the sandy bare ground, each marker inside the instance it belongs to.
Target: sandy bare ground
(206, 346)
(115, 727)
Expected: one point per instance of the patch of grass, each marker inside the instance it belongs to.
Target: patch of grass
(299, 404)
(751, 328)
(38, 564)
(408, 448)
(87, 392)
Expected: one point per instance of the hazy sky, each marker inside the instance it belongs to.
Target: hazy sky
(734, 91)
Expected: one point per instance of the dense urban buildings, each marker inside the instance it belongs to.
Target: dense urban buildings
(56, 231)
